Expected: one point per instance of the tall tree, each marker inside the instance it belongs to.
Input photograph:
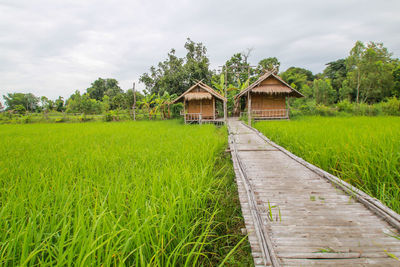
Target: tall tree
(59, 104)
(28, 101)
(324, 92)
(269, 64)
(396, 79)
(336, 71)
(238, 69)
(298, 78)
(174, 75)
(100, 87)
(370, 72)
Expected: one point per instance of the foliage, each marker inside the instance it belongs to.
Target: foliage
(396, 79)
(268, 64)
(238, 69)
(101, 87)
(391, 107)
(336, 72)
(78, 103)
(176, 110)
(345, 106)
(361, 150)
(28, 101)
(323, 92)
(175, 75)
(298, 78)
(148, 104)
(370, 72)
(20, 109)
(123, 194)
(112, 115)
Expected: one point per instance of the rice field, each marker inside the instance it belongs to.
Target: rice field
(364, 151)
(118, 194)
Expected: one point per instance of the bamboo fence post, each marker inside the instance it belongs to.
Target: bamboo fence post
(226, 96)
(134, 102)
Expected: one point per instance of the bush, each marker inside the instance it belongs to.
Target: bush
(83, 118)
(391, 107)
(25, 119)
(112, 115)
(323, 110)
(345, 106)
(60, 120)
(364, 109)
(176, 110)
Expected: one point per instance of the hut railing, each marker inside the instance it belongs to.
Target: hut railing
(192, 117)
(270, 113)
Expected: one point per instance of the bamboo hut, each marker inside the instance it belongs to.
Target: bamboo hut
(199, 104)
(267, 98)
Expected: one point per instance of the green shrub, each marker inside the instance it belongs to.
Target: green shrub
(323, 110)
(25, 119)
(363, 109)
(391, 107)
(20, 109)
(345, 106)
(112, 115)
(59, 120)
(176, 110)
(83, 118)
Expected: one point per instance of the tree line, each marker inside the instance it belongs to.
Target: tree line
(369, 74)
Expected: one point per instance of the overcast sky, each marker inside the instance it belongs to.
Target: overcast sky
(53, 48)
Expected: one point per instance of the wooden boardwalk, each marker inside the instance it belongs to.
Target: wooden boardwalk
(299, 215)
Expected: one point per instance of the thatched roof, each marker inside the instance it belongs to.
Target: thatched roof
(208, 93)
(280, 88)
(198, 96)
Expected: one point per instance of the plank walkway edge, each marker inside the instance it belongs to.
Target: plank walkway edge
(384, 212)
(268, 255)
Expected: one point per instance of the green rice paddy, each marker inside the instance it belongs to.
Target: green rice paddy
(364, 151)
(118, 194)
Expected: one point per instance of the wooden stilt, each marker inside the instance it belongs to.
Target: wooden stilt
(249, 108)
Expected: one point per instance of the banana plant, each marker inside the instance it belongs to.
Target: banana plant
(168, 98)
(147, 103)
(220, 85)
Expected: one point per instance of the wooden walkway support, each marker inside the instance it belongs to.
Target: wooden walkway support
(298, 215)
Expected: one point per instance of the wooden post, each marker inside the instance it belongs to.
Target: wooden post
(249, 108)
(287, 108)
(213, 103)
(184, 110)
(134, 102)
(226, 95)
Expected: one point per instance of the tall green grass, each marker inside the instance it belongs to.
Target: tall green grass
(364, 151)
(131, 193)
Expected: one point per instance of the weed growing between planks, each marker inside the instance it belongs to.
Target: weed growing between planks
(364, 151)
(130, 193)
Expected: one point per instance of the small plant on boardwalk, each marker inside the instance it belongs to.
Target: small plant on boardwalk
(326, 250)
(278, 216)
